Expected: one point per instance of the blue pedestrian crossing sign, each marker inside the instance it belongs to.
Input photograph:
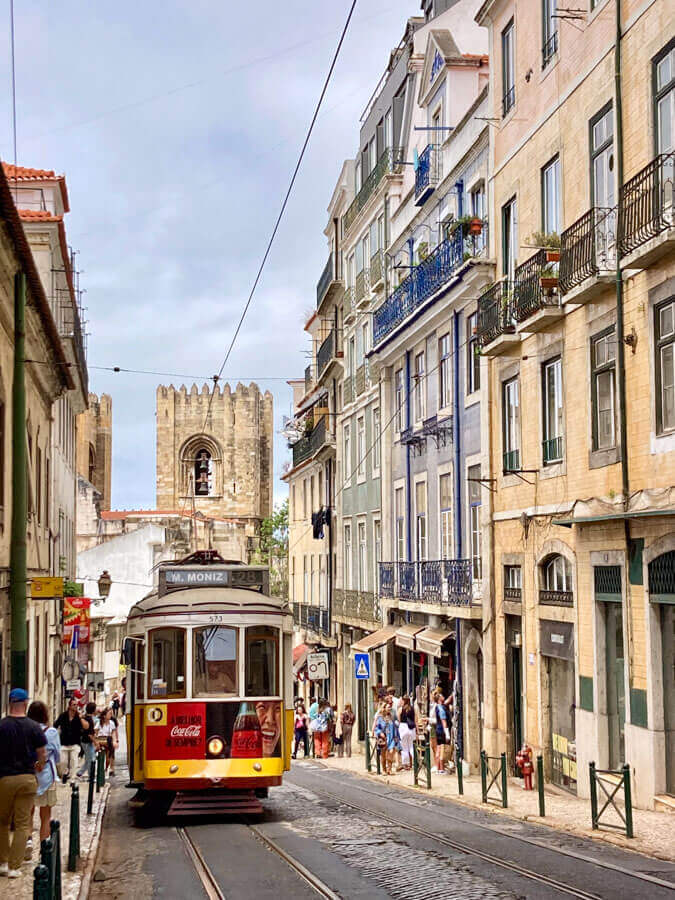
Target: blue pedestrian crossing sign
(362, 665)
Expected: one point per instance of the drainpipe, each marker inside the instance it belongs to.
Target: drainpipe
(620, 354)
(459, 700)
(17, 557)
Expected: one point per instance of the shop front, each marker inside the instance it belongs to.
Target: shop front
(558, 682)
(367, 689)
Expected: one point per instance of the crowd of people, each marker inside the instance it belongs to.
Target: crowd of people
(322, 727)
(35, 755)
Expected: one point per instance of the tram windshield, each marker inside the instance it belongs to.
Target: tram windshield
(214, 660)
(167, 655)
(262, 661)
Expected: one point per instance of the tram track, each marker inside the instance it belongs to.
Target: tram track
(489, 857)
(204, 873)
(319, 886)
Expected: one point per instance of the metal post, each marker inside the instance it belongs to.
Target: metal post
(460, 773)
(505, 782)
(55, 831)
(540, 784)
(427, 762)
(90, 787)
(483, 776)
(17, 552)
(377, 758)
(627, 792)
(74, 830)
(47, 860)
(416, 763)
(41, 889)
(100, 770)
(594, 795)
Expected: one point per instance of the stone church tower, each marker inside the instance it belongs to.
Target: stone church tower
(224, 460)
(94, 446)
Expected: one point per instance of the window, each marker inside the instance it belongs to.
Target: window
(444, 396)
(291, 581)
(304, 498)
(377, 443)
(312, 579)
(348, 452)
(553, 411)
(421, 519)
(319, 488)
(479, 210)
(474, 522)
(377, 549)
(359, 257)
(214, 653)
(399, 509)
(203, 473)
(348, 557)
(38, 484)
(472, 355)
(665, 365)
(399, 398)
(361, 446)
(664, 84)
(312, 504)
(357, 175)
(603, 368)
(262, 661)
(513, 577)
(372, 155)
(294, 508)
(420, 388)
(352, 355)
(511, 418)
(365, 338)
(305, 580)
(509, 239)
(602, 158)
(508, 68)
(167, 662)
(550, 31)
(550, 194)
(557, 574)
(388, 130)
(363, 557)
(323, 584)
(445, 501)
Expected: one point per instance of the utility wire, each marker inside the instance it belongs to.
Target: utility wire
(120, 369)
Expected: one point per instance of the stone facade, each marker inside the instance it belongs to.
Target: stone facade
(94, 446)
(226, 439)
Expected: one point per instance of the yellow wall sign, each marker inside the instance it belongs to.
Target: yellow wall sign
(43, 587)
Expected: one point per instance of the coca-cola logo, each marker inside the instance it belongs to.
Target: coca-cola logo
(187, 731)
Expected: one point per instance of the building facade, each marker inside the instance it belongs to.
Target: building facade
(94, 446)
(577, 331)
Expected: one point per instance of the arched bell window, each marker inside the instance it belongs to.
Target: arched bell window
(92, 463)
(203, 473)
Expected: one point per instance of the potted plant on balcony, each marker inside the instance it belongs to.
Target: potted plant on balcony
(475, 226)
(548, 278)
(508, 326)
(548, 241)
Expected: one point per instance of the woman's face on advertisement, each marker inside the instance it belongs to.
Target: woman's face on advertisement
(268, 712)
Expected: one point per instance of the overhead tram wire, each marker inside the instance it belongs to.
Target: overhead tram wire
(121, 370)
(284, 204)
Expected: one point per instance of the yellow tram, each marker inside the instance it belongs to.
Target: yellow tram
(209, 687)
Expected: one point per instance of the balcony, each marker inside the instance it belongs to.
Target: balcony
(549, 49)
(362, 606)
(329, 284)
(556, 598)
(445, 582)
(377, 270)
(428, 173)
(588, 255)
(436, 271)
(362, 289)
(348, 305)
(514, 594)
(311, 443)
(361, 380)
(73, 330)
(511, 461)
(348, 390)
(309, 379)
(647, 213)
(536, 300)
(496, 322)
(327, 354)
(313, 618)
(386, 165)
(552, 450)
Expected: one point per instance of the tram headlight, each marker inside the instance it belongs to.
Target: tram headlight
(215, 746)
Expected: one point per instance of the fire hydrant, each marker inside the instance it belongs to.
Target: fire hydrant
(524, 763)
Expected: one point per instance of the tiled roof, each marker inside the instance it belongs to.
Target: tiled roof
(38, 215)
(24, 173)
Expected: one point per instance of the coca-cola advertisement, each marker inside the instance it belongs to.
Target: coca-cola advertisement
(236, 729)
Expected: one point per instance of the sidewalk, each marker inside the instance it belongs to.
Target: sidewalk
(654, 831)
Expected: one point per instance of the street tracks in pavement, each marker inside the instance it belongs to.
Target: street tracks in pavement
(204, 873)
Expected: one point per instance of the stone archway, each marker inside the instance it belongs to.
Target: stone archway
(193, 448)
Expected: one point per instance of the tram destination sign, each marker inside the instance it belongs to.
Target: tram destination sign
(174, 579)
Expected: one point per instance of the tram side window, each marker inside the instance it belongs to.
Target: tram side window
(214, 667)
(167, 653)
(262, 661)
(140, 674)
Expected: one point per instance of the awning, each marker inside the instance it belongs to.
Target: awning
(614, 517)
(430, 640)
(405, 636)
(299, 657)
(375, 640)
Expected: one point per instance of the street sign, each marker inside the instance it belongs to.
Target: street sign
(317, 666)
(73, 685)
(95, 681)
(43, 587)
(362, 665)
(70, 670)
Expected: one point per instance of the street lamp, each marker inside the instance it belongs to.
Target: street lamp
(104, 584)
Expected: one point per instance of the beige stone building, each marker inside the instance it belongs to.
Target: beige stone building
(94, 446)
(214, 454)
(579, 332)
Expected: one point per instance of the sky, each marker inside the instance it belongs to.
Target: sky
(177, 125)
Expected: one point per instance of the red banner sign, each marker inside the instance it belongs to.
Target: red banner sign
(76, 611)
(178, 731)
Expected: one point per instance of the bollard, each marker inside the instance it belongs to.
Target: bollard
(368, 760)
(74, 831)
(416, 763)
(540, 784)
(628, 799)
(47, 860)
(100, 769)
(55, 831)
(41, 887)
(460, 773)
(377, 758)
(504, 782)
(90, 788)
(594, 795)
(427, 762)
(483, 776)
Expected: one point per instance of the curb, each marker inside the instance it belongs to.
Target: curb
(93, 849)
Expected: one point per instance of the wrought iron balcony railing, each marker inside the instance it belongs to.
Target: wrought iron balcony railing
(327, 276)
(376, 269)
(433, 273)
(529, 295)
(308, 445)
(549, 49)
(362, 287)
(348, 389)
(514, 594)
(326, 353)
(348, 304)
(511, 461)
(646, 203)
(363, 606)
(386, 164)
(508, 101)
(442, 581)
(360, 381)
(556, 598)
(495, 312)
(587, 247)
(552, 449)
(428, 173)
(317, 619)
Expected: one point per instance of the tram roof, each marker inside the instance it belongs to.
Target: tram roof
(204, 600)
